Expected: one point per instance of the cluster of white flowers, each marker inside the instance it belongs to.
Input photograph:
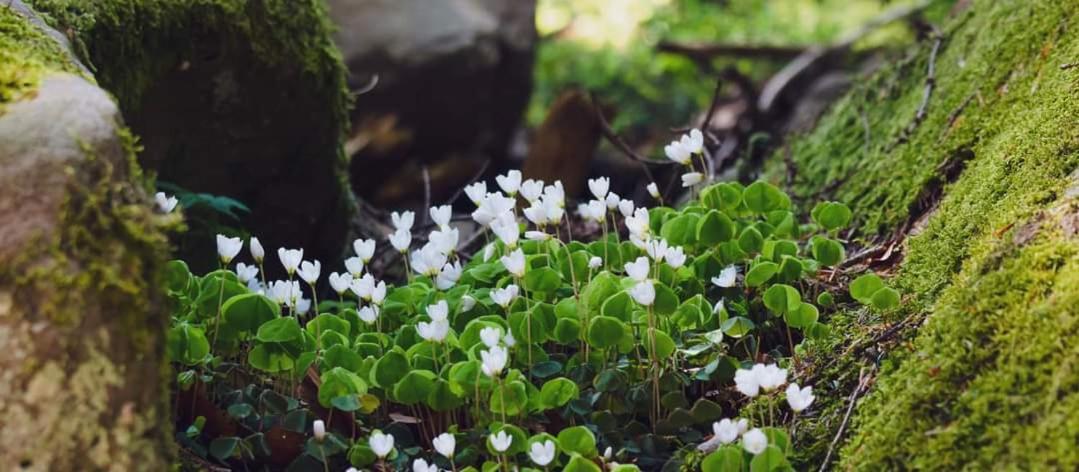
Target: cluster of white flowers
(439, 327)
(769, 377)
(682, 151)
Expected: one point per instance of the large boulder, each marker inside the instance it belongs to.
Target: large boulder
(83, 379)
(241, 98)
(454, 77)
(969, 196)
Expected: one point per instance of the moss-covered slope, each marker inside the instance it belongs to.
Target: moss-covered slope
(985, 374)
(242, 98)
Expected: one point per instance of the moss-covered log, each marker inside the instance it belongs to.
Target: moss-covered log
(982, 370)
(242, 98)
(82, 375)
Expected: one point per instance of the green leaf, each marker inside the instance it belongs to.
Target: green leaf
(280, 330)
(390, 369)
(664, 345)
(338, 382)
(187, 344)
(782, 299)
(340, 356)
(771, 459)
(240, 410)
(618, 306)
(577, 439)
(714, 228)
(737, 326)
(249, 311)
(725, 459)
(578, 463)
(885, 298)
(666, 300)
(828, 252)
(610, 380)
(863, 287)
(567, 331)
(602, 286)
(831, 215)
(803, 317)
(515, 396)
(750, 241)
(328, 322)
(558, 392)
(414, 387)
(762, 197)
(543, 279)
(761, 273)
(223, 448)
(177, 276)
(546, 369)
(442, 397)
(825, 299)
(604, 332)
(680, 230)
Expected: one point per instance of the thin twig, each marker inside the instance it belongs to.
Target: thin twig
(927, 90)
(1069, 65)
(617, 141)
(460, 191)
(709, 51)
(426, 195)
(858, 391)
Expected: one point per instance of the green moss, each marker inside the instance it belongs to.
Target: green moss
(988, 380)
(26, 53)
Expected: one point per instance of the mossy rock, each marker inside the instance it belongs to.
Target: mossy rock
(241, 98)
(83, 377)
(983, 191)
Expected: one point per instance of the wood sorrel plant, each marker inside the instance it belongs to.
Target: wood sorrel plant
(532, 353)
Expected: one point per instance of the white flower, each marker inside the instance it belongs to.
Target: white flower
(676, 152)
(693, 142)
(354, 266)
(726, 278)
(638, 242)
(257, 252)
(401, 221)
(434, 331)
(255, 285)
(504, 296)
(508, 339)
(400, 240)
(690, 179)
(448, 276)
(536, 236)
(799, 398)
(365, 248)
(509, 183)
(608, 453)
(467, 303)
(494, 360)
(536, 213)
(363, 286)
(290, 259)
(626, 207)
(165, 203)
(595, 262)
(488, 251)
(420, 465)
(368, 314)
(284, 292)
(542, 453)
(638, 270)
(445, 240)
(755, 441)
(676, 257)
(653, 190)
(303, 305)
(246, 272)
(501, 441)
(490, 336)
(439, 311)
(228, 248)
(476, 192)
(554, 210)
(320, 430)
(491, 207)
(381, 444)
(747, 382)
(514, 263)
(352, 469)
(441, 215)
(726, 430)
(596, 210)
(555, 194)
(613, 200)
(445, 444)
(643, 293)
(340, 282)
(428, 260)
(532, 190)
(770, 376)
(309, 271)
(378, 293)
(718, 307)
(657, 249)
(507, 231)
(638, 223)
(599, 187)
